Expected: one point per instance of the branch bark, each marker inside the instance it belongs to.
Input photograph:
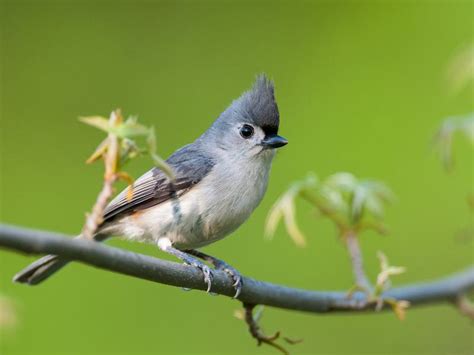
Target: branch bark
(29, 241)
(353, 247)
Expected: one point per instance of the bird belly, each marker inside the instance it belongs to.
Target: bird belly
(211, 210)
(186, 221)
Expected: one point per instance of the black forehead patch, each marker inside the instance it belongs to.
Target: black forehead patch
(269, 130)
(258, 105)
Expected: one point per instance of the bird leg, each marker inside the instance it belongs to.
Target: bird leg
(165, 245)
(221, 265)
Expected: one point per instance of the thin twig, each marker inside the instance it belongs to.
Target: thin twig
(257, 333)
(254, 292)
(111, 158)
(465, 306)
(353, 247)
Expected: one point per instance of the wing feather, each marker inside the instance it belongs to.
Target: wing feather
(190, 165)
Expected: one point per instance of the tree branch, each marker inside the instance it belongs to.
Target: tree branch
(253, 292)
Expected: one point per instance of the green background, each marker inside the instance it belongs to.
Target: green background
(361, 87)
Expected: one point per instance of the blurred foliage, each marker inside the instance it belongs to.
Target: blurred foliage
(460, 76)
(8, 314)
(115, 151)
(352, 204)
(383, 283)
(125, 130)
(444, 137)
(461, 69)
(383, 279)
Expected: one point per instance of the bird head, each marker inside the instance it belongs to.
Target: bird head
(249, 126)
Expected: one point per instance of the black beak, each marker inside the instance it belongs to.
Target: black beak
(274, 141)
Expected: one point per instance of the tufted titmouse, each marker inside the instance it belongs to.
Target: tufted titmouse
(220, 179)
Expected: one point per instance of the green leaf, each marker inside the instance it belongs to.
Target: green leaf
(342, 181)
(350, 203)
(159, 162)
(360, 196)
(98, 122)
(461, 69)
(284, 208)
(444, 137)
(374, 206)
(131, 128)
(467, 127)
(386, 272)
(163, 165)
(99, 151)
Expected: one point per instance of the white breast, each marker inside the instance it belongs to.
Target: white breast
(213, 208)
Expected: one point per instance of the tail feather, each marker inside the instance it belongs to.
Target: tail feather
(40, 270)
(43, 268)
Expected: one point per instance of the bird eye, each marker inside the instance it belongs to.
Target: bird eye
(246, 131)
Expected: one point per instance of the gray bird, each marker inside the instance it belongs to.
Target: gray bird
(220, 179)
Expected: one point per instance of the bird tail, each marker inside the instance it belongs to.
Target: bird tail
(40, 270)
(44, 267)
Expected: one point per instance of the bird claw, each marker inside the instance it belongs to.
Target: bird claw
(206, 271)
(208, 276)
(218, 265)
(235, 276)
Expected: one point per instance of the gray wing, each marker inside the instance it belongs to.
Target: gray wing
(190, 166)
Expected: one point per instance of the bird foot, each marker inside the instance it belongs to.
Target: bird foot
(223, 266)
(233, 273)
(206, 271)
(166, 245)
